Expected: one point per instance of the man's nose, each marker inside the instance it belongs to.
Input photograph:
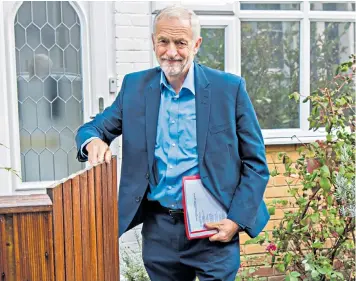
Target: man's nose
(171, 50)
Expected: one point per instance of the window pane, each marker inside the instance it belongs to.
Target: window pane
(331, 44)
(269, 6)
(49, 84)
(270, 65)
(212, 50)
(336, 6)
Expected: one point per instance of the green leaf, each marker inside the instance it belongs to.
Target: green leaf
(289, 277)
(325, 183)
(295, 274)
(295, 96)
(307, 267)
(302, 201)
(343, 101)
(322, 270)
(293, 191)
(314, 217)
(255, 240)
(290, 226)
(324, 171)
(339, 230)
(280, 267)
(288, 258)
(317, 245)
(271, 210)
(329, 200)
(337, 275)
(274, 173)
(287, 160)
(314, 273)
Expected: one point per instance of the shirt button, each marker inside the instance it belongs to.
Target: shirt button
(169, 187)
(170, 166)
(173, 144)
(173, 205)
(138, 199)
(147, 175)
(173, 122)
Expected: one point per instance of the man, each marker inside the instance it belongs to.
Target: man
(177, 120)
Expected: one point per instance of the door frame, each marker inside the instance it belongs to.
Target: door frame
(96, 34)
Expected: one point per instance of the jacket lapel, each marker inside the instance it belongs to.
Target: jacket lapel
(153, 99)
(202, 105)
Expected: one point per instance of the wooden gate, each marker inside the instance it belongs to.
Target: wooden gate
(70, 234)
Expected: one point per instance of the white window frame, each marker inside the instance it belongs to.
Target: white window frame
(226, 13)
(228, 23)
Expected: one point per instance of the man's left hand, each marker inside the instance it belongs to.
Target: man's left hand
(226, 230)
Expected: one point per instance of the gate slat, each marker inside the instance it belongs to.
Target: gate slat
(56, 195)
(84, 202)
(17, 238)
(68, 230)
(24, 249)
(99, 222)
(49, 247)
(110, 219)
(115, 217)
(3, 269)
(92, 227)
(10, 251)
(104, 182)
(45, 228)
(33, 270)
(77, 229)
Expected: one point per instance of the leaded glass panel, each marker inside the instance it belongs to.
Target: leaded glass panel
(49, 84)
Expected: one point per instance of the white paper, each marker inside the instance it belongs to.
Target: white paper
(201, 206)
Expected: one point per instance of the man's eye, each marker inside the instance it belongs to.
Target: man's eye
(162, 41)
(182, 43)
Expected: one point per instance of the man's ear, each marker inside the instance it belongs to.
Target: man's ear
(197, 45)
(153, 41)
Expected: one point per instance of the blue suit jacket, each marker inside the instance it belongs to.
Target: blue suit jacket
(231, 151)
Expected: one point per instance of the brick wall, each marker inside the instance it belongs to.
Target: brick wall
(276, 188)
(133, 39)
(133, 53)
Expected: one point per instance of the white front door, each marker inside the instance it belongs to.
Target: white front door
(58, 58)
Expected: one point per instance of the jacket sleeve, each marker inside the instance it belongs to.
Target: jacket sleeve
(254, 169)
(106, 125)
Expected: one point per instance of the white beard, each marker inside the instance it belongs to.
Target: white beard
(172, 70)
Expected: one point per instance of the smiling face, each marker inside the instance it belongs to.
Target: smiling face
(174, 46)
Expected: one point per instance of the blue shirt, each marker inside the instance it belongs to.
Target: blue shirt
(176, 153)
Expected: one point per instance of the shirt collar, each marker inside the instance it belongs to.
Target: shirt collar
(188, 82)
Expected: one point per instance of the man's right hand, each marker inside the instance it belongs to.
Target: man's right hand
(98, 151)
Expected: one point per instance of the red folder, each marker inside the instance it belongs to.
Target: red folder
(203, 233)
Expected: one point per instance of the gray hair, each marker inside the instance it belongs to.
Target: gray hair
(179, 12)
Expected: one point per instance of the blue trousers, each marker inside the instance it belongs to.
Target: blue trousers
(168, 255)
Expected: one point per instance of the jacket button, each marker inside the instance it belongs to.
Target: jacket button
(138, 199)
(147, 175)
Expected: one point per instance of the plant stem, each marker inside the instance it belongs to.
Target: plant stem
(330, 101)
(308, 204)
(339, 242)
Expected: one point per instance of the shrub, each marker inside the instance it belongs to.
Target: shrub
(131, 264)
(316, 240)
